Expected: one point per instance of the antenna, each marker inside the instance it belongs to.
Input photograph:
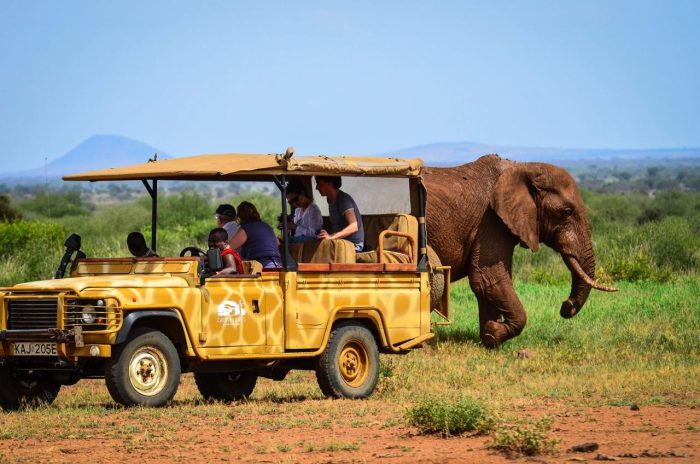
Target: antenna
(46, 184)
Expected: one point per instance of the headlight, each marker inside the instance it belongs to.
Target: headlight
(89, 313)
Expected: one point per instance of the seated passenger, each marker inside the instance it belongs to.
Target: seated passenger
(232, 260)
(226, 219)
(255, 238)
(345, 217)
(308, 220)
(136, 243)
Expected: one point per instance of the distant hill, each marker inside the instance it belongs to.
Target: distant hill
(96, 152)
(451, 154)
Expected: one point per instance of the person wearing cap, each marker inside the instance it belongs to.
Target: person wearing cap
(226, 219)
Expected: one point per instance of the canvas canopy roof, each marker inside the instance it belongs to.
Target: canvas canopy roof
(225, 166)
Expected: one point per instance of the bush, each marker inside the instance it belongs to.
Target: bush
(524, 438)
(7, 212)
(57, 204)
(30, 237)
(445, 418)
(29, 250)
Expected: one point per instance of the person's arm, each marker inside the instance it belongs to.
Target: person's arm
(239, 239)
(229, 266)
(346, 231)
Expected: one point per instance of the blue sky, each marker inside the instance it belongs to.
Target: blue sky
(346, 77)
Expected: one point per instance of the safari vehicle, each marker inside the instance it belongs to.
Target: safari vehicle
(141, 322)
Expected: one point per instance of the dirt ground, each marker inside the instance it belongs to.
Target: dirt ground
(652, 434)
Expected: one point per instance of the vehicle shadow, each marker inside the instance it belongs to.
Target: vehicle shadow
(457, 336)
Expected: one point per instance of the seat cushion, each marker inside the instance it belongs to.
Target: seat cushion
(323, 251)
(374, 224)
(389, 257)
(252, 267)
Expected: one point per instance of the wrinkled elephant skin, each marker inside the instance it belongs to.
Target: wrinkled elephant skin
(478, 212)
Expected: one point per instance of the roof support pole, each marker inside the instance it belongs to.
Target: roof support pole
(422, 233)
(153, 192)
(287, 260)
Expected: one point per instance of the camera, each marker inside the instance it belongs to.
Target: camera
(290, 218)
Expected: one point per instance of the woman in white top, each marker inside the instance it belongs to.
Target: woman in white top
(308, 219)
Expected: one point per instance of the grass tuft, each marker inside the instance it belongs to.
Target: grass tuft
(438, 416)
(524, 438)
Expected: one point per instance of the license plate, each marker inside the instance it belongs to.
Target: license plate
(35, 349)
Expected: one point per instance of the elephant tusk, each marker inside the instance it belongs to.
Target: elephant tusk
(576, 267)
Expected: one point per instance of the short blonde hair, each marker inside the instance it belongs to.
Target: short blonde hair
(247, 212)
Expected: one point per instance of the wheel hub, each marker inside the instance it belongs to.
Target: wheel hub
(148, 371)
(353, 363)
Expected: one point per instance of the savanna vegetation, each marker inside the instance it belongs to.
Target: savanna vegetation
(637, 346)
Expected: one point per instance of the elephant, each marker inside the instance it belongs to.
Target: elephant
(476, 215)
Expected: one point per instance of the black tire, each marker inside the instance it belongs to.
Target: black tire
(19, 390)
(349, 366)
(155, 370)
(226, 386)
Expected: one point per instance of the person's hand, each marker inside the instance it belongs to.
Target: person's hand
(323, 235)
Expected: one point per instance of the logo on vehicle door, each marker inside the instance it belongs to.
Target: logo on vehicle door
(231, 312)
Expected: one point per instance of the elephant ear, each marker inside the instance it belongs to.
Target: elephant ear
(514, 202)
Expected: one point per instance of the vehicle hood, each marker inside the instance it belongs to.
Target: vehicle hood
(78, 284)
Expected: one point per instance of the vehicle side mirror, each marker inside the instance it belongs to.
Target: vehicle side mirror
(215, 260)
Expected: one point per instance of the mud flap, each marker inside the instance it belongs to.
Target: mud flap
(442, 308)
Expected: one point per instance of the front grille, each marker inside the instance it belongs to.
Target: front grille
(32, 314)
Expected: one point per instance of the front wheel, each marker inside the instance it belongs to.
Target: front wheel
(145, 371)
(19, 390)
(226, 386)
(349, 366)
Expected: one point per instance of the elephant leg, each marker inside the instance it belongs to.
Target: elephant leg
(496, 295)
(487, 313)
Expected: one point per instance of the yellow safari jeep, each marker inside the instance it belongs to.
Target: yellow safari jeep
(141, 322)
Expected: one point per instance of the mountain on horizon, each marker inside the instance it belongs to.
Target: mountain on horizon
(455, 153)
(96, 152)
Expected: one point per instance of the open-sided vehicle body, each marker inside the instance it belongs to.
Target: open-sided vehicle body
(141, 322)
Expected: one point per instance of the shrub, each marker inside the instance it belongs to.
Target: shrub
(442, 417)
(30, 236)
(57, 204)
(7, 212)
(524, 438)
(29, 250)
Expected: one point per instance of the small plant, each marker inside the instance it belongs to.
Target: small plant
(445, 418)
(524, 438)
(284, 448)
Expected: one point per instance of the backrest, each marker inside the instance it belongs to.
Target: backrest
(376, 223)
(323, 251)
(252, 267)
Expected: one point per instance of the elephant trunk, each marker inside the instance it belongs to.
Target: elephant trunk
(582, 280)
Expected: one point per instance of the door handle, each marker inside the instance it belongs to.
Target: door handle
(256, 307)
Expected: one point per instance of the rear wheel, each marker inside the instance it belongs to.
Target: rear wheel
(349, 366)
(226, 386)
(145, 371)
(19, 390)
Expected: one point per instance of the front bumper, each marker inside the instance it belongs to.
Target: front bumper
(72, 336)
(70, 343)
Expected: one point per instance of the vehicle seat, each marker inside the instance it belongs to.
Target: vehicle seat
(396, 249)
(323, 251)
(252, 267)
